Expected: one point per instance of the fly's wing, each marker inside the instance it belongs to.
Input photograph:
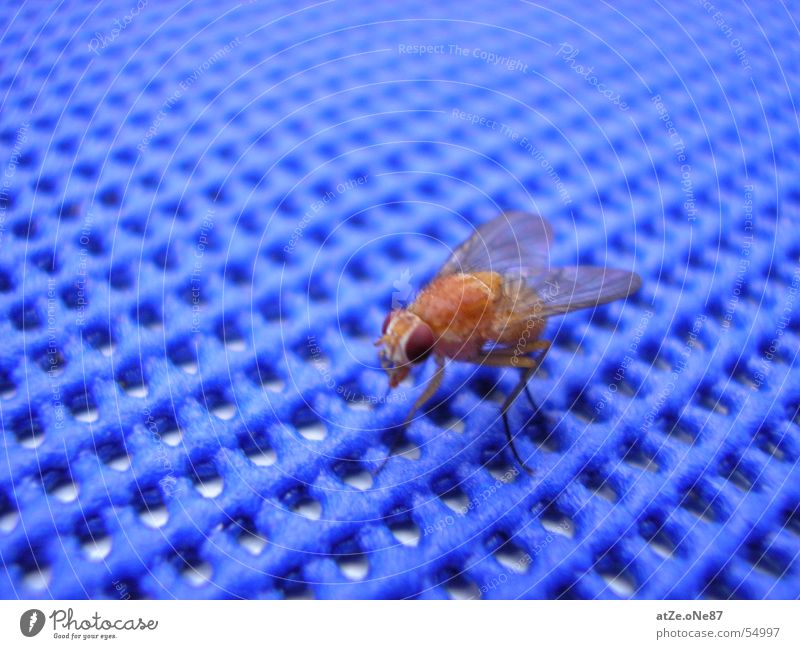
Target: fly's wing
(510, 241)
(561, 290)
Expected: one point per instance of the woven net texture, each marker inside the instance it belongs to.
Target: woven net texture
(208, 208)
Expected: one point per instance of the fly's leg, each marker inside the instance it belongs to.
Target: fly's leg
(530, 365)
(433, 386)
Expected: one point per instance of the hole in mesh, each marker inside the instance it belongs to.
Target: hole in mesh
(404, 447)
(776, 444)
(25, 229)
(487, 388)
(451, 494)
(195, 571)
(218, 404)
(82, 405)
(59, 484)
(183, 355)
(259, 454)
(50, 359)
(616, 575)
(309, 425)
(131, 379)
(713, 404)
(151, 508)
(546, 439)
(769, 559)
(134, 224)
(270, 308)
(25, 317)
(74, 296)
(587, 412)
(404, 529)
(352, 562)
(121, 462)
(238, 274)
(230, 335)
(147, 315)
(9, 517)
(698, 503)
(293, 586)
(45, 260)
(791, 520)
(28, 429)
(601, 486)
(7, 387)
(37, 577)
(120, 275)
(207, 480)
(556, 522)
(165, 425)
(634, 454)
(6, 283)
(110, 197)
(442, 415)
(99, 337)
(250, 538)
(353, 474)
(262, 373)
(353, 395)
(496, 461)
(458, 585)
(166, 258)
(508, 554)
(681, 430)
(654, 532)
(737, 473)
(300, 502)
(112, 453)
(94, 539)
(719, 588)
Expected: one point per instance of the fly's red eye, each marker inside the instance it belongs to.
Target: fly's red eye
(419, 343)
(386, 321)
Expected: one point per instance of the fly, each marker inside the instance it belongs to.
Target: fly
(489, 305)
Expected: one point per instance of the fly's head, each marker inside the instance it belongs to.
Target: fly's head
(406, 340)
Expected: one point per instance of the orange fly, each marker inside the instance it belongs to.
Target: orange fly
(489, 304)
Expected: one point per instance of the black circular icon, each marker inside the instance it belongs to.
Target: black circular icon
(31, 622)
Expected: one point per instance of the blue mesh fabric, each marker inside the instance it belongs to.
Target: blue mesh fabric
(208, 208)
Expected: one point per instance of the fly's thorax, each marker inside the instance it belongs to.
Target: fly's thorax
(459, 306)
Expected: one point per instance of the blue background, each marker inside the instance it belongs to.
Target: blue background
(207, 209)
